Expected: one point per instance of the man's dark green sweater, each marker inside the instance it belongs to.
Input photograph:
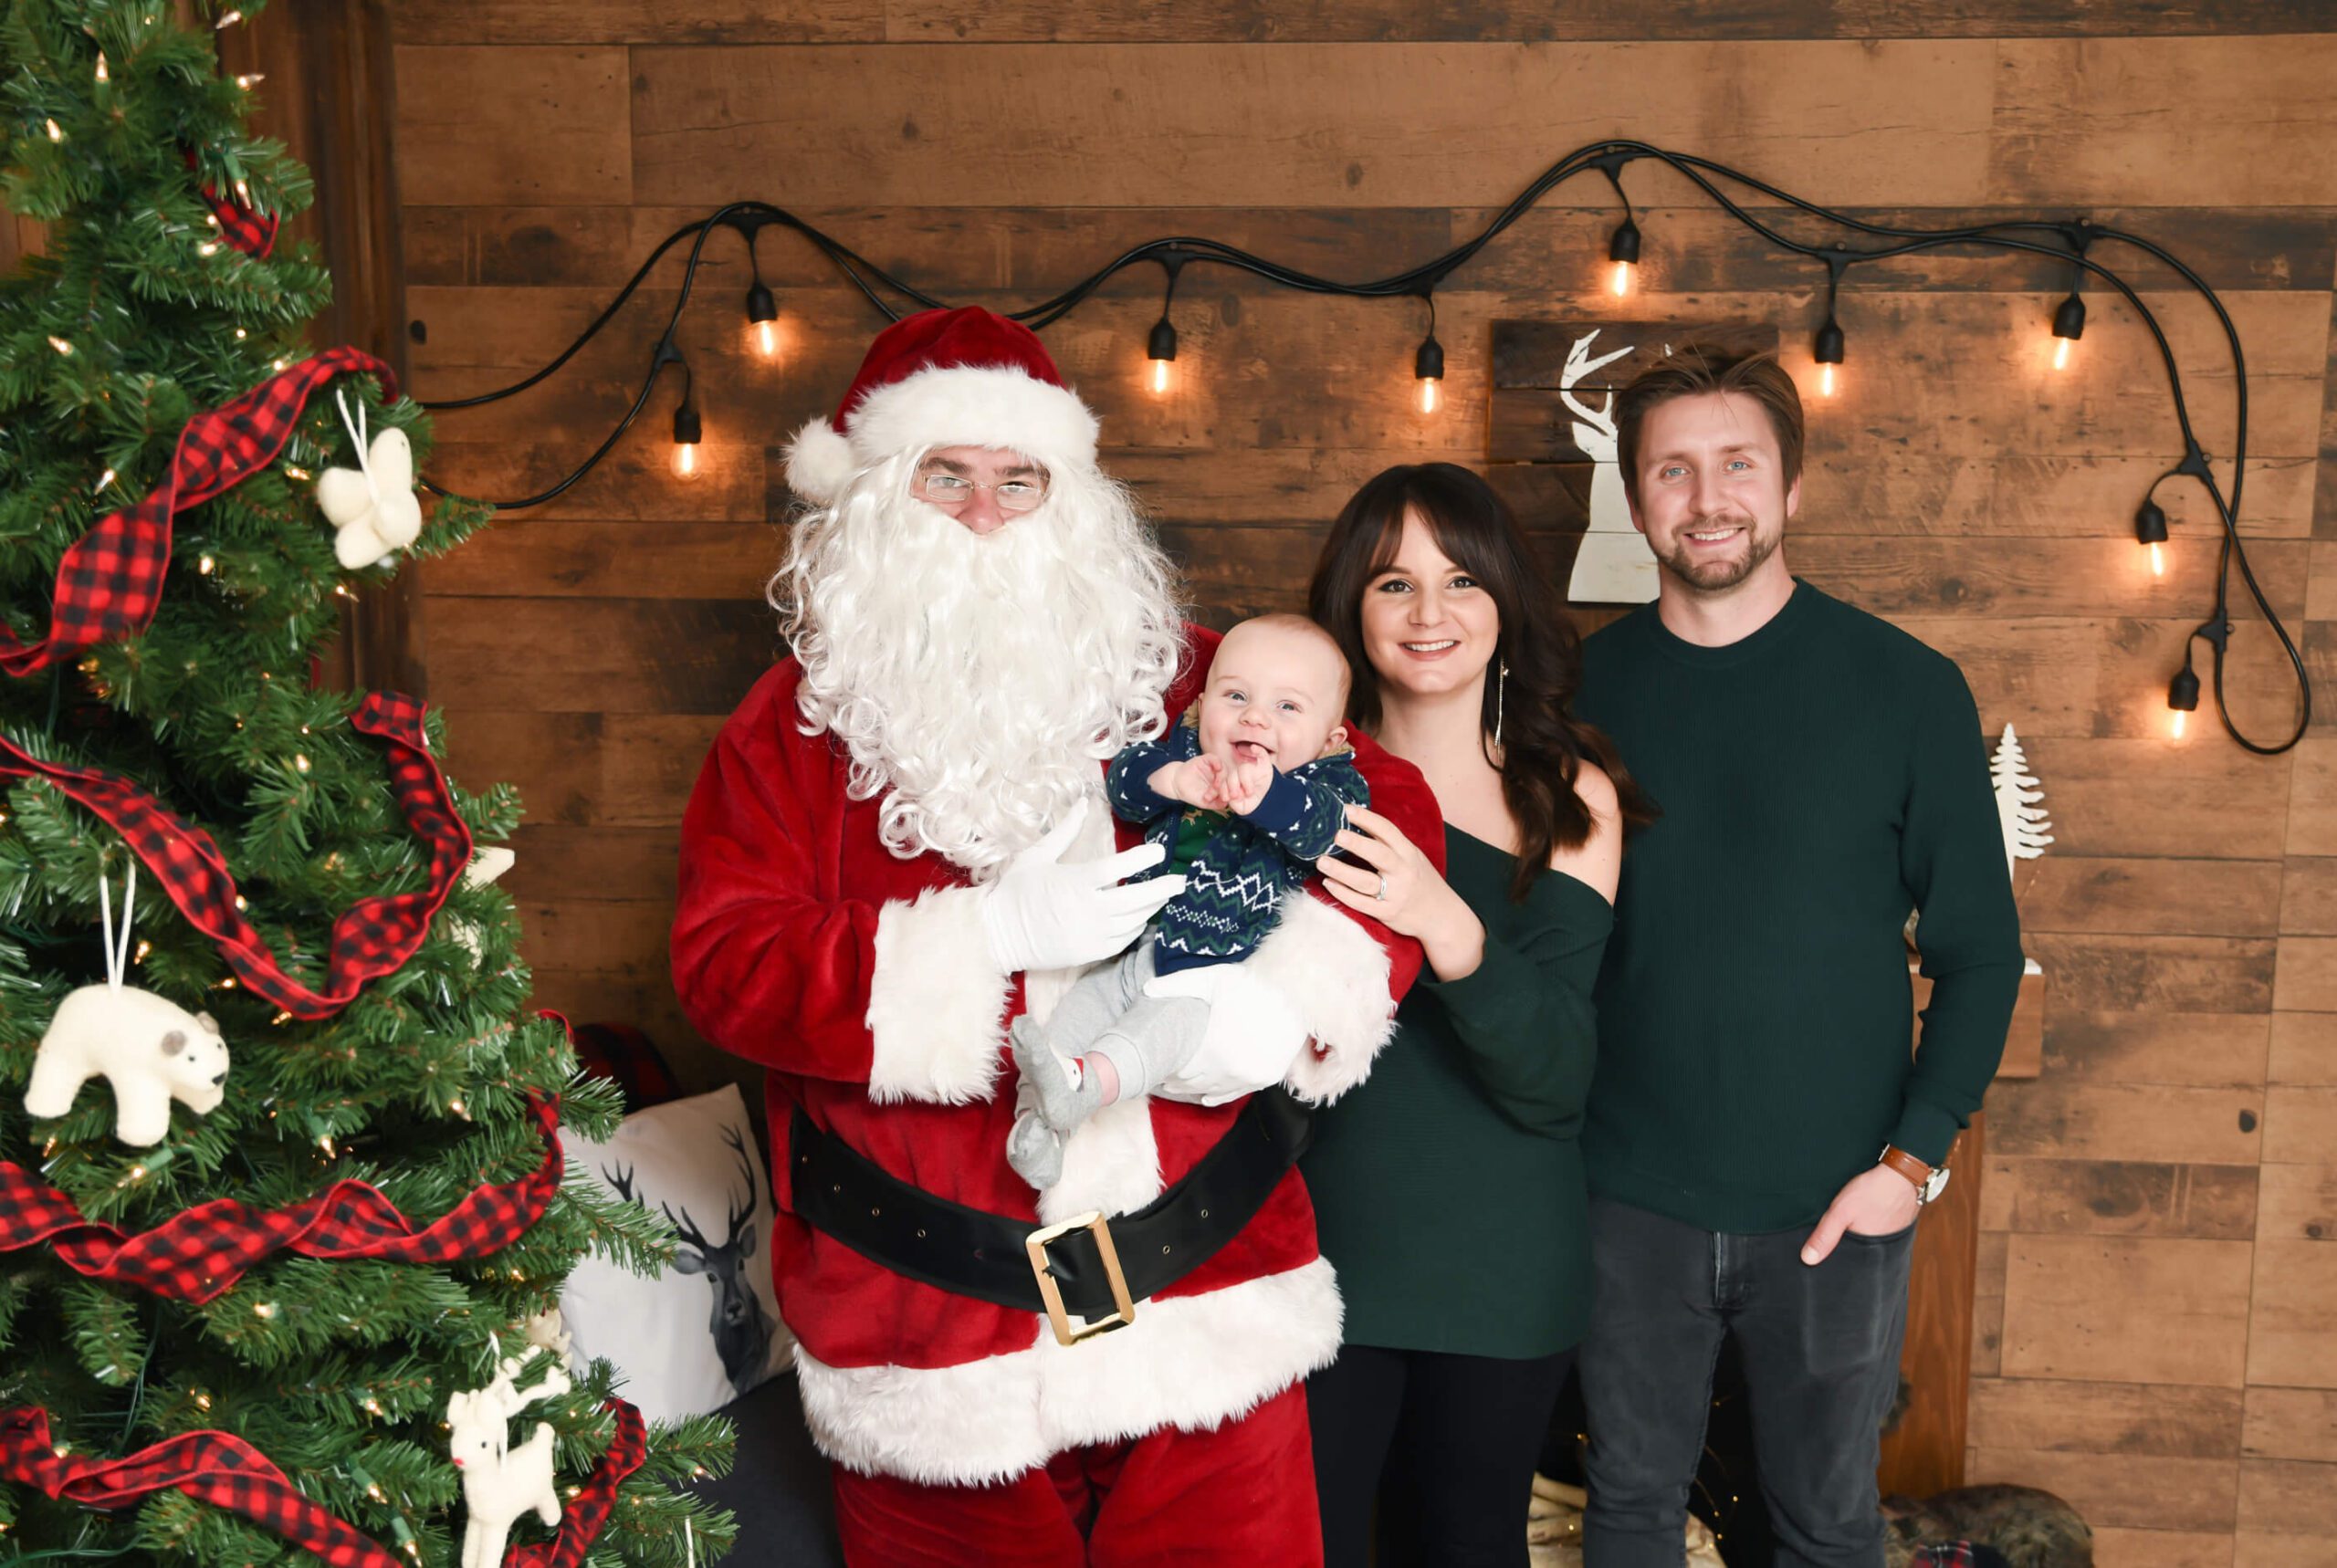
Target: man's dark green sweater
(1817, 779)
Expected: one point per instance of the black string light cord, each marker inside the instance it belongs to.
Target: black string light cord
(2068, 240)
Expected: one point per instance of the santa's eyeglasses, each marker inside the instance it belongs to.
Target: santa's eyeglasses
(955, 490)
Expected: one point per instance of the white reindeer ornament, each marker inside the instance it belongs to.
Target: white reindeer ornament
(501, 1482)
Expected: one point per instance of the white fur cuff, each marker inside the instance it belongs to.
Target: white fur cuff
(937, 1001)
(1336, 973)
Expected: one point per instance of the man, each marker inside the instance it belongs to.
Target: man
(897, 845)
(1820, 773)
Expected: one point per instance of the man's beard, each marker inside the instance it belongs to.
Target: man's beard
(1704, 576)
(976, 681)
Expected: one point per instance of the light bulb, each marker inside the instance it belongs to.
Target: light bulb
(685, 459)
(1621, 283)
(1428, 394)
(2181, 722)
(2062, 352)
(766, 339)
(1826, 381)
(2158, 560)
(56, 131)
(1159, 377)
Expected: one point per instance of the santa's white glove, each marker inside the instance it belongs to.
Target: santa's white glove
(1254, 1033)
(1043, 915)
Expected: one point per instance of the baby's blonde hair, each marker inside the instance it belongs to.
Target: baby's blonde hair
(1288, 621)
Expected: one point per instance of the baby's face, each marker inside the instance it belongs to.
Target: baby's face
(1272, 697)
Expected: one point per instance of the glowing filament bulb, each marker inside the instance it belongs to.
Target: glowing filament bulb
(101, 67)
(1159, 377)
(2062, 352)
(1621, 283)
(56, 131)
(1826, 381)
(685, 459)
(2181, 723)
(2158, 560)
(1428, 394)
(766, 339)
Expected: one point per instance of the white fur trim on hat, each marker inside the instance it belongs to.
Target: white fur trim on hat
(819, 463)
(969, 405)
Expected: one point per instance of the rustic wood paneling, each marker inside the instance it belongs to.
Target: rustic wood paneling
(2155, 1209)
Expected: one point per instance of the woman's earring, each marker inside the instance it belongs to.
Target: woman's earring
(1501, 690)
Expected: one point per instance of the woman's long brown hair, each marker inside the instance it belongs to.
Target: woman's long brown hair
(1543, 744)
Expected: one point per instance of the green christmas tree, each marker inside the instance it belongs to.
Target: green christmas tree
(143, 313)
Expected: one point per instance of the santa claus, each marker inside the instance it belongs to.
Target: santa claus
(898, 844)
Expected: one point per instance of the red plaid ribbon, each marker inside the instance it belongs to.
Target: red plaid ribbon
(252, 233)
(227, 1472)
(111, 580)
(583, 1515)
(198, 1254)
(216, 1467)
(372, 936)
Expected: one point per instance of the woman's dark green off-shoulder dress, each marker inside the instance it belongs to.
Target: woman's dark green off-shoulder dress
(1448, 1188)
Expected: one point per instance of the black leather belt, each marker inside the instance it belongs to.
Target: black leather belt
(1094, 1267)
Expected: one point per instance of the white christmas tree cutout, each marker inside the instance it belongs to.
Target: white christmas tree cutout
(2020, 809)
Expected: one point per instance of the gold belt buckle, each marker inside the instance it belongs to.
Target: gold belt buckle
(1124, 1305)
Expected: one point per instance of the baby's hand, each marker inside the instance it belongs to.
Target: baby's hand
(1198, 782)
(1248, 785)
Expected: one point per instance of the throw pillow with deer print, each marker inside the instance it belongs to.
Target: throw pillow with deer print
(706, 1330)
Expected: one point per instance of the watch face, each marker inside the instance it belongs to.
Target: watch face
(1936, 1185)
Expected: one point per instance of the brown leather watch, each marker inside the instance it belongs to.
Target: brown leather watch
(1929, 1181)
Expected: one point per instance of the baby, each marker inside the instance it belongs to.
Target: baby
(1246, 791)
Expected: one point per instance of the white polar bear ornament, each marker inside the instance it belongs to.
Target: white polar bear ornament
(150, 1051)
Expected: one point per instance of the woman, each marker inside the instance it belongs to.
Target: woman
(1449, 1192)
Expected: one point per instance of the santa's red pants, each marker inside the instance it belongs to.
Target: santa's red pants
(1242, 1494)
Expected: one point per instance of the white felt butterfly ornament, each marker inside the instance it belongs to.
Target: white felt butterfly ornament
(373, 505)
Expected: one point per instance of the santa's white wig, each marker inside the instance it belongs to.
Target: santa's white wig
(976, 681)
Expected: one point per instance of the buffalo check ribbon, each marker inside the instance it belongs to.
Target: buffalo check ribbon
(111, 580)
(582, 1517)
(222, 1470)
(373, 937)
(253, 233)
(216, 1467)
(198, 1254)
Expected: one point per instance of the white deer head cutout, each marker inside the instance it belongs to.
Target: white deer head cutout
(1613, 564)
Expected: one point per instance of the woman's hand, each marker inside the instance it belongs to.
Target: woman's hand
(1398, 887)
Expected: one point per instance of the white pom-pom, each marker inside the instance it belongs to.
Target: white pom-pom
(819, 462)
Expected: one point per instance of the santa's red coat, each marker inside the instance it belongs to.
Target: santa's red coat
(864, 981)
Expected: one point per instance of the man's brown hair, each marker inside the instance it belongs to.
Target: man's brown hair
(1693, 369)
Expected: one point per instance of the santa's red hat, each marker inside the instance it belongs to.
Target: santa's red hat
(944, 378)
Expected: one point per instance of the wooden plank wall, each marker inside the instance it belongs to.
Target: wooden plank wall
(2155, 1335)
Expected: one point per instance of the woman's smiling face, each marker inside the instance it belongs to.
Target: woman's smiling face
(1429, 627)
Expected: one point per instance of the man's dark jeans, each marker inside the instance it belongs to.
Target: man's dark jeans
(1820, 1349)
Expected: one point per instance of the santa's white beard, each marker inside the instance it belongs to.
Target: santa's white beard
(976, 680)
